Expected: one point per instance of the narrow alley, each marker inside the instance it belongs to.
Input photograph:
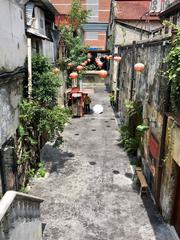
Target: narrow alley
(89, 193)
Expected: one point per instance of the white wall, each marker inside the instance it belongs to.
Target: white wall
(48, 50)
(12, 34)
(125, 35)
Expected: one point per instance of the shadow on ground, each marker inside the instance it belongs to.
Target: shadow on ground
(55, 158)
(154, 215)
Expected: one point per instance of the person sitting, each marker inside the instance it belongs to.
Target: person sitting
(87, 101)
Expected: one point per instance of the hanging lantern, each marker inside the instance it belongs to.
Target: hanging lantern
(79, 68)
(69, 64)
(117, 58)
(139, 67)
(73, 75)
(56, 70)
(103, 74)
(83, 64)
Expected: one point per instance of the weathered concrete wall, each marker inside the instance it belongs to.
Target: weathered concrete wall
(48, 50)
(10, 96)
(13, 54)
(27, 231)
(149, 88)
(126, 35)
(169, 170)
(13, 38)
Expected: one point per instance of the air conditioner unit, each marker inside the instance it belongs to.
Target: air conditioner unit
(167, 3)
(155, 6)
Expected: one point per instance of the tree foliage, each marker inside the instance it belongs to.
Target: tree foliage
(78, 15)
(40, 118)
(173, 72)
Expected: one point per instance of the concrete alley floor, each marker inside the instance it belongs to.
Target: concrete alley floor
(84, 199)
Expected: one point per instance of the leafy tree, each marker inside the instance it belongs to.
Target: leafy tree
(78, 15)
(40, 119)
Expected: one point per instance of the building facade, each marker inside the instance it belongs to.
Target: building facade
(159, 149)
(128, 26)
(96, 26)
(12, 73)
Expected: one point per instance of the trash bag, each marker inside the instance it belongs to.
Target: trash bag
(98, 109)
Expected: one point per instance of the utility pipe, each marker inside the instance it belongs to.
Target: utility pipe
(133, 71)
(29, 52)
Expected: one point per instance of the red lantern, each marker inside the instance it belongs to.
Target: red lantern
(102, 74)
(69, 64)
(139, 67)
(79, 68)
(73, 75)
(83, 64)
(117, 58)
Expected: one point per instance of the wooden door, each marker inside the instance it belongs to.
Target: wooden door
(176, 208)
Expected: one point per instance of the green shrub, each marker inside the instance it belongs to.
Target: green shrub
(129, 143)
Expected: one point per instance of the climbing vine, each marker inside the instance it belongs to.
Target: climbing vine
(173, 69)
(71, 37)
(133, 128)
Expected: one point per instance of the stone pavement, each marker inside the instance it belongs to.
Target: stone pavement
(84, 198)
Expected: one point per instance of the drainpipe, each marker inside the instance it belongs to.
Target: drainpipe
(133, 72)
(29, 52)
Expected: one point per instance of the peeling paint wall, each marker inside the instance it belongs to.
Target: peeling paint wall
(10, 96)
(169, 170)
(13, 38)
(13, 54)
(149, 88)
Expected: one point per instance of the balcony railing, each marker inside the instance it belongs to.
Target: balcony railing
(20, 217)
